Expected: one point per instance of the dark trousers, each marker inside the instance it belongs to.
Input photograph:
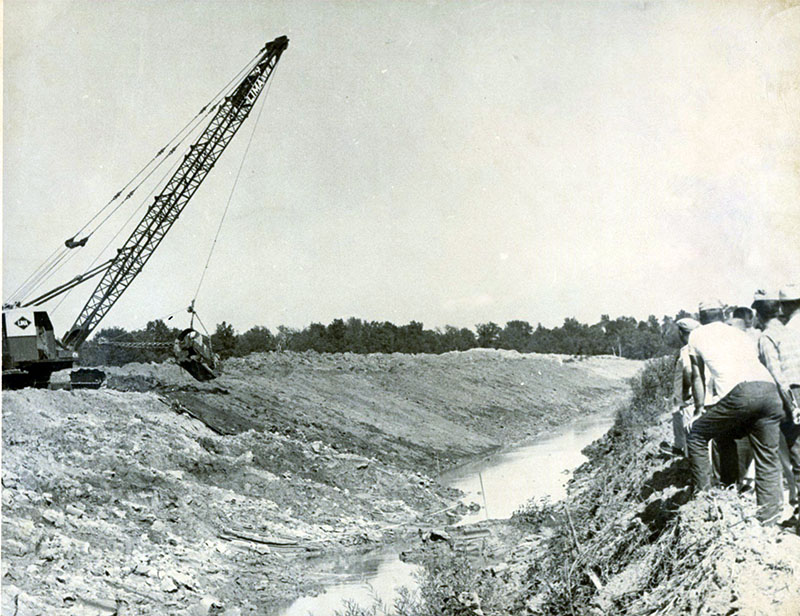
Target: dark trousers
(791, 433)
(753, 409)
(732, 468)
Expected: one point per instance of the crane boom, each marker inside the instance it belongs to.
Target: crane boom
(178, 190)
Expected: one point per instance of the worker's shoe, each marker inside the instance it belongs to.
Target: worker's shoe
(792, 523)
(769, 515)
(746, 485)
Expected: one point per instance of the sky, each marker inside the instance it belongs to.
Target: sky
(444, 162)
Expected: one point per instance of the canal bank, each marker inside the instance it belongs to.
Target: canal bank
(500, 484)
(159, 493)
(628, 539)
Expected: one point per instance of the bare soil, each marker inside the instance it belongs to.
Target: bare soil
(161, 495)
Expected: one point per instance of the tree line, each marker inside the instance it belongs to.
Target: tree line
(623, 336)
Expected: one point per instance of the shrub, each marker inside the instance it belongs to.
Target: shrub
(651, 393)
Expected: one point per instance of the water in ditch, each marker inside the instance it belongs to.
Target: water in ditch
(499, 483)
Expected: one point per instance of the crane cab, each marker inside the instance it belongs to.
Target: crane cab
(30, 350)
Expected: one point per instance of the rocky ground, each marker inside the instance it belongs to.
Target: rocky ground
(160, 495)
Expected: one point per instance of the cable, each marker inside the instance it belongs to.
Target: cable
(207, 109)
(122, 228)
(165, 344)
(33, 274)
(233, 188)
(46, 269)
(44, 275)
(203, 325)
(147, 177)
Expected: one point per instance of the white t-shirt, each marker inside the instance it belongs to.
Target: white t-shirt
(729, 356)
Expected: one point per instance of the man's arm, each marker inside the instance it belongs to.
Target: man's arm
(768, 354)
(677, 382)
(698, 385)
(687, 382)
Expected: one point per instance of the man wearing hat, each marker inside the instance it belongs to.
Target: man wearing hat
(682, 388)
(742, 318)
(743, 400)
(790, 305)
(779, 351)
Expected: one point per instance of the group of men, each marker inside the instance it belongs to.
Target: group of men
(738, 386)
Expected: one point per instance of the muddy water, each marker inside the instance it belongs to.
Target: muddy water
(363, 579)
(499, 483)
(503, 482)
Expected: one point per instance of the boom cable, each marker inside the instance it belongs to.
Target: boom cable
(207, 109)
(58, 257)
(32, 275)
(158, 184)
(233, 189)
(146, 199)
(33, 279)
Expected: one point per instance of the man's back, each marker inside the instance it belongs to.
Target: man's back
(729, 357)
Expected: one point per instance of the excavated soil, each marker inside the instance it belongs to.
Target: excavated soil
(160, 495)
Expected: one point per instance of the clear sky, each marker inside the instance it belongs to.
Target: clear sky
(445, 162)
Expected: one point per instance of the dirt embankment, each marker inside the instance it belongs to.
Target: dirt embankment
(636, 541)
(160, 495)
(629, 539)
(415, 411)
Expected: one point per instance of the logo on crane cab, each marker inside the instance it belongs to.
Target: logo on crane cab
(22, 322)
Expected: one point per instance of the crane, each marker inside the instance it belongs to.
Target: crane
(30, 350)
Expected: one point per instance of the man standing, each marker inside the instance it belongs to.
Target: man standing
(790, 309)
(790, 306)
(743, 401)
(682, 388)
(779, 351)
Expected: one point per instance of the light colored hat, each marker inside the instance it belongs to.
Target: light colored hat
(687, 324)
(790, 292)
(764, 296)
(711, 304)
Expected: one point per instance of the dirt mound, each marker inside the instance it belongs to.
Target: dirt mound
(169, 496)
(109, 492)
(706, 555)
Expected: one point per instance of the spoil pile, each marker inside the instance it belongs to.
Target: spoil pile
(425, 412)
(160, 495)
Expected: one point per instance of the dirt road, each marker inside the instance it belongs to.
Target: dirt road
(162, 495)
